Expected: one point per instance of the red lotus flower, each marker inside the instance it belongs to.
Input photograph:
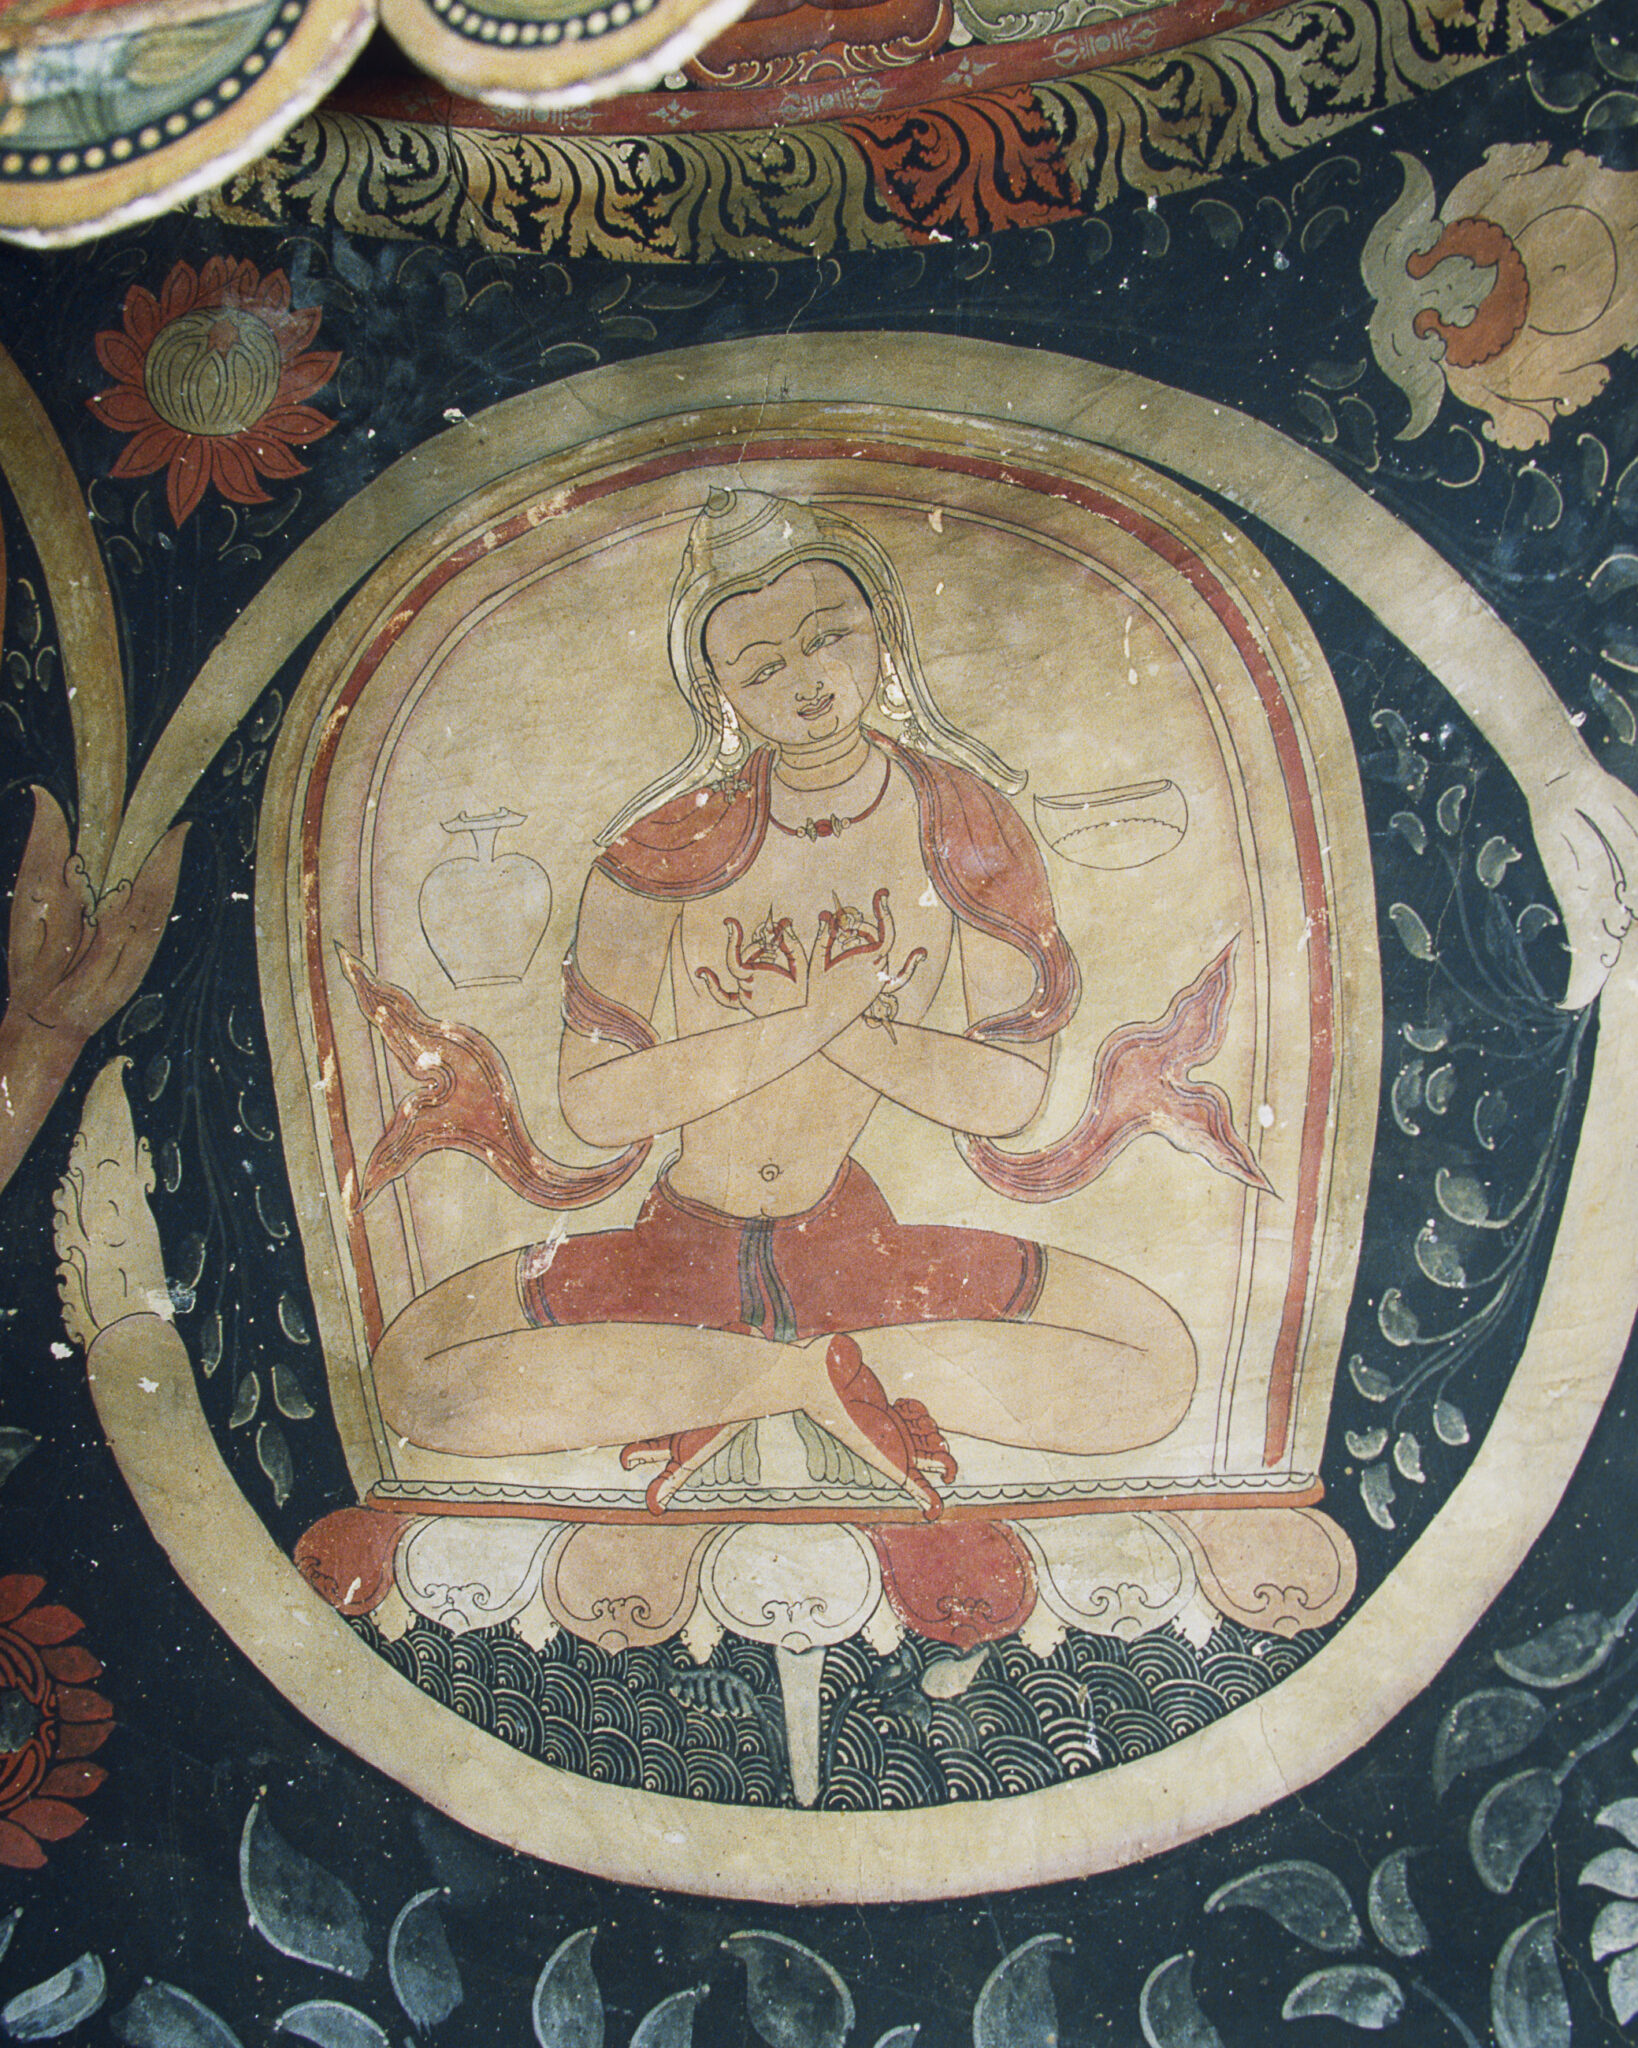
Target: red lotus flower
(49, 1722)
(211, 375)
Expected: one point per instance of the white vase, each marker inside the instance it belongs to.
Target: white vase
(483, 914)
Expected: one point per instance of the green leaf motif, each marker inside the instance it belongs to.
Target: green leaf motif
(165, 2016)
(56, 2007)
(1439, 1260)
(670, 2024)
(1397, 1322)
(1461, 1197)
(245, 1400)
(1528, 2004)
(1406, 1096)
(1489, 1115)
(1615, 1930)
(420, 1967)
(1622, 1817)
(1398, 1926)
(273, 1455)
(1484, 1729)
(796, 2000)
(327, 2023)
(1355, 1993)
(1495, 857)
(1623, 1987)
(568, 2007)
(296, 1906)
(1376, 1491)
(1168, 2011)
(1425, 1037)
(288, 1396)
(1450, 1427)
(1508, 1823)
(1304, 1898)
(1616, 1870)
(1571, 1649)
(1414, 935)
(1373, 1383)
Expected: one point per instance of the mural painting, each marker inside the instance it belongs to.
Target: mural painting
(817, 1092)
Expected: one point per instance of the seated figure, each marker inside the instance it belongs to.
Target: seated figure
(830, 851)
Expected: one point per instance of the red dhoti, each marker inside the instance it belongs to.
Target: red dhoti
(847, 1264)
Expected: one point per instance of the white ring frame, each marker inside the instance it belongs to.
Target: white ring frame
(1380, 1658)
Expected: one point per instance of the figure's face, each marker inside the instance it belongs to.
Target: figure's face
(799, 659)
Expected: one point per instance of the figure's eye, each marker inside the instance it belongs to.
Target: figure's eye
(826, 639)
(764, 674)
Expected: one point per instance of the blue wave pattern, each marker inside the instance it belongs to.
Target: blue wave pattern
(653, 1720)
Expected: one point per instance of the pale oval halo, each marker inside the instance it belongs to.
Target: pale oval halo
(1379, 1659)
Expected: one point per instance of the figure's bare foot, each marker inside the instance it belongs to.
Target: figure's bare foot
(905, 1438)
(931, 1452)
(680, 1455)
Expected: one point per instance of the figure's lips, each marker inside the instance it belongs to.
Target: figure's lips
(816, 710)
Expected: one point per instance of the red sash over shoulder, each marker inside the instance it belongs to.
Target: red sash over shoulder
(698, 843)
(979, 853)
(988, 872)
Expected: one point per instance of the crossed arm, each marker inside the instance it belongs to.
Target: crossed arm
(611, 1096)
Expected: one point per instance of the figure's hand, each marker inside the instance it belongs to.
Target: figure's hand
(854, 956)
(1587, 833)
(761, 975)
